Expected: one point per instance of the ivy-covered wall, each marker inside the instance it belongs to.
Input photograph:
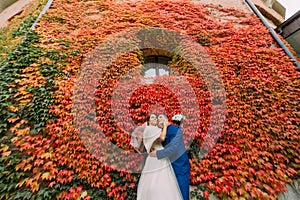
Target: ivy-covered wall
(43, 156)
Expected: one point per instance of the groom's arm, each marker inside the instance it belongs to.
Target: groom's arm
(174, 149)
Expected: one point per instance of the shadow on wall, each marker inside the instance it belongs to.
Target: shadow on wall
(6, 3)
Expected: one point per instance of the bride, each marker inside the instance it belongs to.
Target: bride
(157, 181)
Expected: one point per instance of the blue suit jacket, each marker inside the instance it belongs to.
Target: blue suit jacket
(174, 149)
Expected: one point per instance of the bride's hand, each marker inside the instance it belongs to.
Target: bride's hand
(152, 153)
(166, 123)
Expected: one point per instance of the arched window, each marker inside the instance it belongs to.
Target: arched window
(156, 66)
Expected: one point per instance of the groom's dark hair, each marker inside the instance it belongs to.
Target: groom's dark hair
(178, 123)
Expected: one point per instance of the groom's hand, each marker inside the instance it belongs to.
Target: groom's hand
(153, 153)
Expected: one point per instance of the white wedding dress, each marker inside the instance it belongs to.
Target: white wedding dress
(157, 181)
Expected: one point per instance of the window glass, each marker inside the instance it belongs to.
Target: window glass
(156, 66)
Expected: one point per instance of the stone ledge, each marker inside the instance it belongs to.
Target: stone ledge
(13, 10)
(269, 13)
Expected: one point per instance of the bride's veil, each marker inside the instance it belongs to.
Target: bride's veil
(136, 140)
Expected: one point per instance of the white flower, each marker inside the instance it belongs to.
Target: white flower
(178, 117)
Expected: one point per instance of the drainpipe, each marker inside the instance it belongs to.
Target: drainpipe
(47, 6)
(273, 33)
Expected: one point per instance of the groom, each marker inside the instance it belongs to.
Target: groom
(174, 149)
